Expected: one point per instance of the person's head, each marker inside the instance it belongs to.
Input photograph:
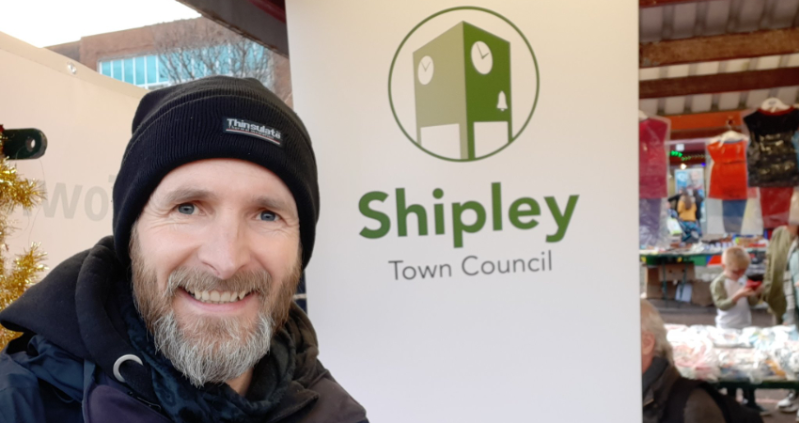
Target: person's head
(735, 261)
(215, 209)
(688, 200)
(654, 336)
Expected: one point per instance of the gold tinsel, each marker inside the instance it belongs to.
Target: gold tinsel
(16, 191)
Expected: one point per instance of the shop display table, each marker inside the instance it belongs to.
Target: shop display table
(769, 384)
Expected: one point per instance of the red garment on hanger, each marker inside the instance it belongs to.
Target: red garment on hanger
(729, 171)
(775, 206)
(652, 159)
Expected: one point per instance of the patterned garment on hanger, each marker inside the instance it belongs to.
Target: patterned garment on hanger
(771, 155)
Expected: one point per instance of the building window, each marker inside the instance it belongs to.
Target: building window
(127, 69)
(142, 71)
(150, 71)
(116, 69)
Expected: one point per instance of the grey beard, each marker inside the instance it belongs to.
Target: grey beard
(212, 359)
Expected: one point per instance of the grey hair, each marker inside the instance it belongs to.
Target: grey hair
(212, 359)
(654, 325)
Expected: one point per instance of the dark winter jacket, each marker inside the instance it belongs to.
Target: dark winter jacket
(657, 382)
(62, 368)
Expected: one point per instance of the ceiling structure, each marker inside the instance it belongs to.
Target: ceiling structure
(710, 59)
(717, 55)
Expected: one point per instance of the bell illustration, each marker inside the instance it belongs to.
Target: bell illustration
(501, 102)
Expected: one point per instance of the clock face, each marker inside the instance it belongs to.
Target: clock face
(425, 70)
(482, 57)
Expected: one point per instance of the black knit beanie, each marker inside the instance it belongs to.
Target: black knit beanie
(214, 118)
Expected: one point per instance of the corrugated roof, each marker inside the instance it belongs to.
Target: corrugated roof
(707, 18)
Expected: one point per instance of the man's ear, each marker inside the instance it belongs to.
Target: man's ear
(648, 343)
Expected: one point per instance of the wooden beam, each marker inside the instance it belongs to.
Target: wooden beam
(274, 8)
(719, 47)
(705, 125)
(719, 83)
(656, 3)
(694, 121)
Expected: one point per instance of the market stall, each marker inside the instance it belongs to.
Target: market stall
(762, 358)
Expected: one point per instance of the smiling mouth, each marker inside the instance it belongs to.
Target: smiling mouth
(218, 297)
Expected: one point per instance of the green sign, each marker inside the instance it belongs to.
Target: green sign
(462, 88)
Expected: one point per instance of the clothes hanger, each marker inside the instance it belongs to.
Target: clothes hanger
(773, 105)
(730, 135)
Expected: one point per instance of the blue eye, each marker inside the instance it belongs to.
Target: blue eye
(186, 208)
(268, 216)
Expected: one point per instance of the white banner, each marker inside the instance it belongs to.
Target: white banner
(476, 259)
(86, 118)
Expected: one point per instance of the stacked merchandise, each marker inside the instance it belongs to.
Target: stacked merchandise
(751, 354)
(652, 181)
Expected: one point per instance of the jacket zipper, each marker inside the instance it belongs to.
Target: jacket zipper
(152, 406)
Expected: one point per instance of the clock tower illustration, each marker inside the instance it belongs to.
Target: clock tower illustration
(463, 82)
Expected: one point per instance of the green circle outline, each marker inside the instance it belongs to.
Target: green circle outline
(402, 43)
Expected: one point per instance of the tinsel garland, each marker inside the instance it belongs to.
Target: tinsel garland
(15, 192)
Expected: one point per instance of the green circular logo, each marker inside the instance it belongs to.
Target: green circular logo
(463, 84)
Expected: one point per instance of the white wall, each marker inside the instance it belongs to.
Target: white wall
(561, 345)
(87, 120)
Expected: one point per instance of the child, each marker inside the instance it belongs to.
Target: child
(733, 300)
(731, 297)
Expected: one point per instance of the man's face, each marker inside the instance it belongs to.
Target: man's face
(648, 349)
(216, 259)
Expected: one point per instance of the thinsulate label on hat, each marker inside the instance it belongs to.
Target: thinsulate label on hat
(253, 129)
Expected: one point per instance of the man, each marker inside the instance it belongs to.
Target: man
(780, 245)
(780, 282)
(659, 378)
(186, 313)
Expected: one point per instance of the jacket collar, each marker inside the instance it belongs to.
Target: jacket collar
(656, 388)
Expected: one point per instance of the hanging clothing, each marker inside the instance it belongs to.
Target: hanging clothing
(771, 155)
(775, 206)
(733, 215)
(753, 222)
(729, 170)
(794, 143)
(714, 219)
(652, 159)
(650, 215)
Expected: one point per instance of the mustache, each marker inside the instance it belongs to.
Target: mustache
(195, 280)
